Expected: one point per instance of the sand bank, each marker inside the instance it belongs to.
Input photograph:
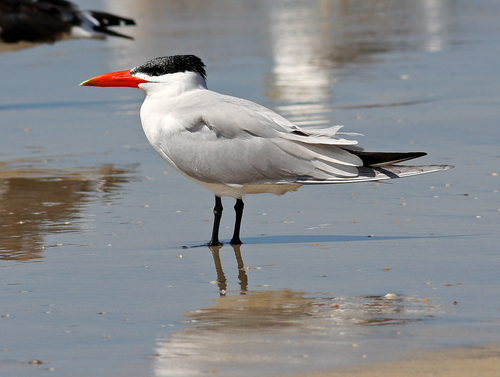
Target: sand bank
(481, 361)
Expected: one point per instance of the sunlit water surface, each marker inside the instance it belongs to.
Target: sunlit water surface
(102, 269)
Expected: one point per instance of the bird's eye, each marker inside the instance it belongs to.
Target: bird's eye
(158, 71)
(154, 70)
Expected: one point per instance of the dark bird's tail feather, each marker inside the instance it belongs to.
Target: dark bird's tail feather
(106, 19)
(377, 159)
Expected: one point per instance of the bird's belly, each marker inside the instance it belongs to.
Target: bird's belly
(240, 191)
(234, 190)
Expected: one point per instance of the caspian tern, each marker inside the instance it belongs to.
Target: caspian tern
(236, 147)
(47, 21)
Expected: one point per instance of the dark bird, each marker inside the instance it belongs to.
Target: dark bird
(235, 147)
(48, 21)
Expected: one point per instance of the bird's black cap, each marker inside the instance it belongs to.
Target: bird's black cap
(171, 64)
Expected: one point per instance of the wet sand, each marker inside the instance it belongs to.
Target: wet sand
(102, 273)
(481, 361)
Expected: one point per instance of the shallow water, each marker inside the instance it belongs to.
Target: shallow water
(102, 269)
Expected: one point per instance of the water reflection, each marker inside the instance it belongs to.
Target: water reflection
(6, 47)
(246, 327)
(221, 278)
(302, 75)
(436, 19)
(311, 43)
(38, 202)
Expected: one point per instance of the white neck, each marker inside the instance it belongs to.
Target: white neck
(162, 93)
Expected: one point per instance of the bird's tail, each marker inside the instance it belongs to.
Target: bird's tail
(401, 171)
(369, 174)
(378, 159)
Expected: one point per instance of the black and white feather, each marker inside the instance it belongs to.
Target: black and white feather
(48, 21)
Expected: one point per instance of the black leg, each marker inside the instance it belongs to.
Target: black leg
(238, 208)
(217, 216)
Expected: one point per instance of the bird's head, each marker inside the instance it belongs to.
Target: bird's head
(166, 69)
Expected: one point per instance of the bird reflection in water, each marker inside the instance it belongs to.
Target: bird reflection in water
(260, 328)
(36, 202)
(221, 278)
(359, 310)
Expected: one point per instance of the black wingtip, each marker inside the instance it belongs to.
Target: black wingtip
(377, 159)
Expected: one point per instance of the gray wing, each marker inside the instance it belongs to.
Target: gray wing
(233, 141)
(222, 139)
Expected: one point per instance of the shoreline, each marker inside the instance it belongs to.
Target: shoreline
(480, 361)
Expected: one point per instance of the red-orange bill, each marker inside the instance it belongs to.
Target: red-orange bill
(114, 79)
